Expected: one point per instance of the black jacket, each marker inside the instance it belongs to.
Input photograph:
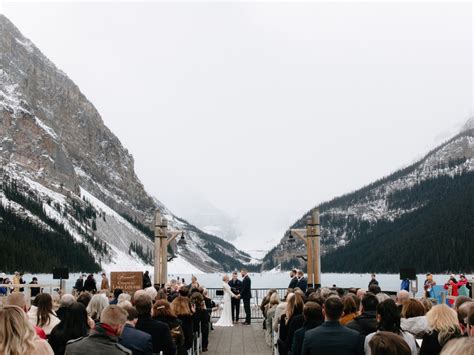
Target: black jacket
(160, 334)
(177, 333)
(293, 282)
(235, 286)
(245, 291)
(331, 338)
(79, 286)
(365, 324)
(298, 338)
(293, 325)
(430, 344)
(136, 340)
(90, 285)
(188, 327)
(302, 284)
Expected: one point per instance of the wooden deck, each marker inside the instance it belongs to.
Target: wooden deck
(238, 340)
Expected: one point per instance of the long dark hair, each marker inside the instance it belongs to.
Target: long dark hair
(44, 302)
(74, 325)
(389, 316)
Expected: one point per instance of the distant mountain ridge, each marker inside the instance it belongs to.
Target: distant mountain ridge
(56, 149)
(349, 220)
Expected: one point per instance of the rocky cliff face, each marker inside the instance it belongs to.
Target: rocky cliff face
(357, 215)
(54, 141)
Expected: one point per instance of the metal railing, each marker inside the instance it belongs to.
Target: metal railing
(9, 288)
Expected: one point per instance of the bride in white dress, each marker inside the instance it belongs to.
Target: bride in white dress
(226, 317)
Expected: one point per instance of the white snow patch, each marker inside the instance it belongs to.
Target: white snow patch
(46, 128)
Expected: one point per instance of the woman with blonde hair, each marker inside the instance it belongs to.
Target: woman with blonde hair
(17, 335)
(294, 308)
(443, 322)
(270, 312)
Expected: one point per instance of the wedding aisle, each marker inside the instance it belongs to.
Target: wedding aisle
(238, 340)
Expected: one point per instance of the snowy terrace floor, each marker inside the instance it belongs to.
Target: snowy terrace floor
(238, 340)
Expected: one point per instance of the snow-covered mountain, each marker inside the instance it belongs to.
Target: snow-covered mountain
(55, 147)
(390, 202)
(202, 213)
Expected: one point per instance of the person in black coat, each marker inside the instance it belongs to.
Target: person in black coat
(72, 326)
(294, 279)
(313, 317)
(302, 283)
(331, 338)
(366, 323)
(159, 331)
(246, 295)
(146, 279)
(79, 285)
(373, 281)
(136, 340)
(235, 286)
(90, 285)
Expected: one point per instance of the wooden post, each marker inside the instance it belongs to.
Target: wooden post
(317, 248)
(309, 251)
(157, 249)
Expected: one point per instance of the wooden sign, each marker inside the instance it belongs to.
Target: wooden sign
(128, 281)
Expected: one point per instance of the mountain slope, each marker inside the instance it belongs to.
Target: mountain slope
(55, 146)
(404, 202)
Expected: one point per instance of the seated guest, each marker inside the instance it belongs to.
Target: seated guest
(162, 312)
(290, 321)
(388, 343)
(460, 301)
(270, 312)
(201, 318)
(95, 307)
(17, 335)
(366, 322)
(413, 318)
(18, 299)
(41, 313)
(117, 293)
(280, 310)
(444, 325)
(136, 340)
(388, 319)
(463, 313)
(470, 322)
(313, 317)
(65, 301)
(104, 339)
(459, 346)
(182, 309)
(73, 326)
(331, 337)
(84, 298)
(350, 309)
(159, 331)
(402, 296)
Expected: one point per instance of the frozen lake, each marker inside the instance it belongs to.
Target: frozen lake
(388, 282)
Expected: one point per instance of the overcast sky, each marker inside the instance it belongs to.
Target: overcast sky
(264, 109)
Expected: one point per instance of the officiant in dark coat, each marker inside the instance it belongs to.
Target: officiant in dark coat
(246, 294)
(235, 286)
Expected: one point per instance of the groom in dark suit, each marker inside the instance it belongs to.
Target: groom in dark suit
(246, 294)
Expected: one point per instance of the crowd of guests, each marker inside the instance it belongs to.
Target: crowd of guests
(99, 322)
(366, 321)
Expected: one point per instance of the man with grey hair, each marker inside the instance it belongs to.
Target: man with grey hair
(402, 296)
(104, 338)
(65, 302)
